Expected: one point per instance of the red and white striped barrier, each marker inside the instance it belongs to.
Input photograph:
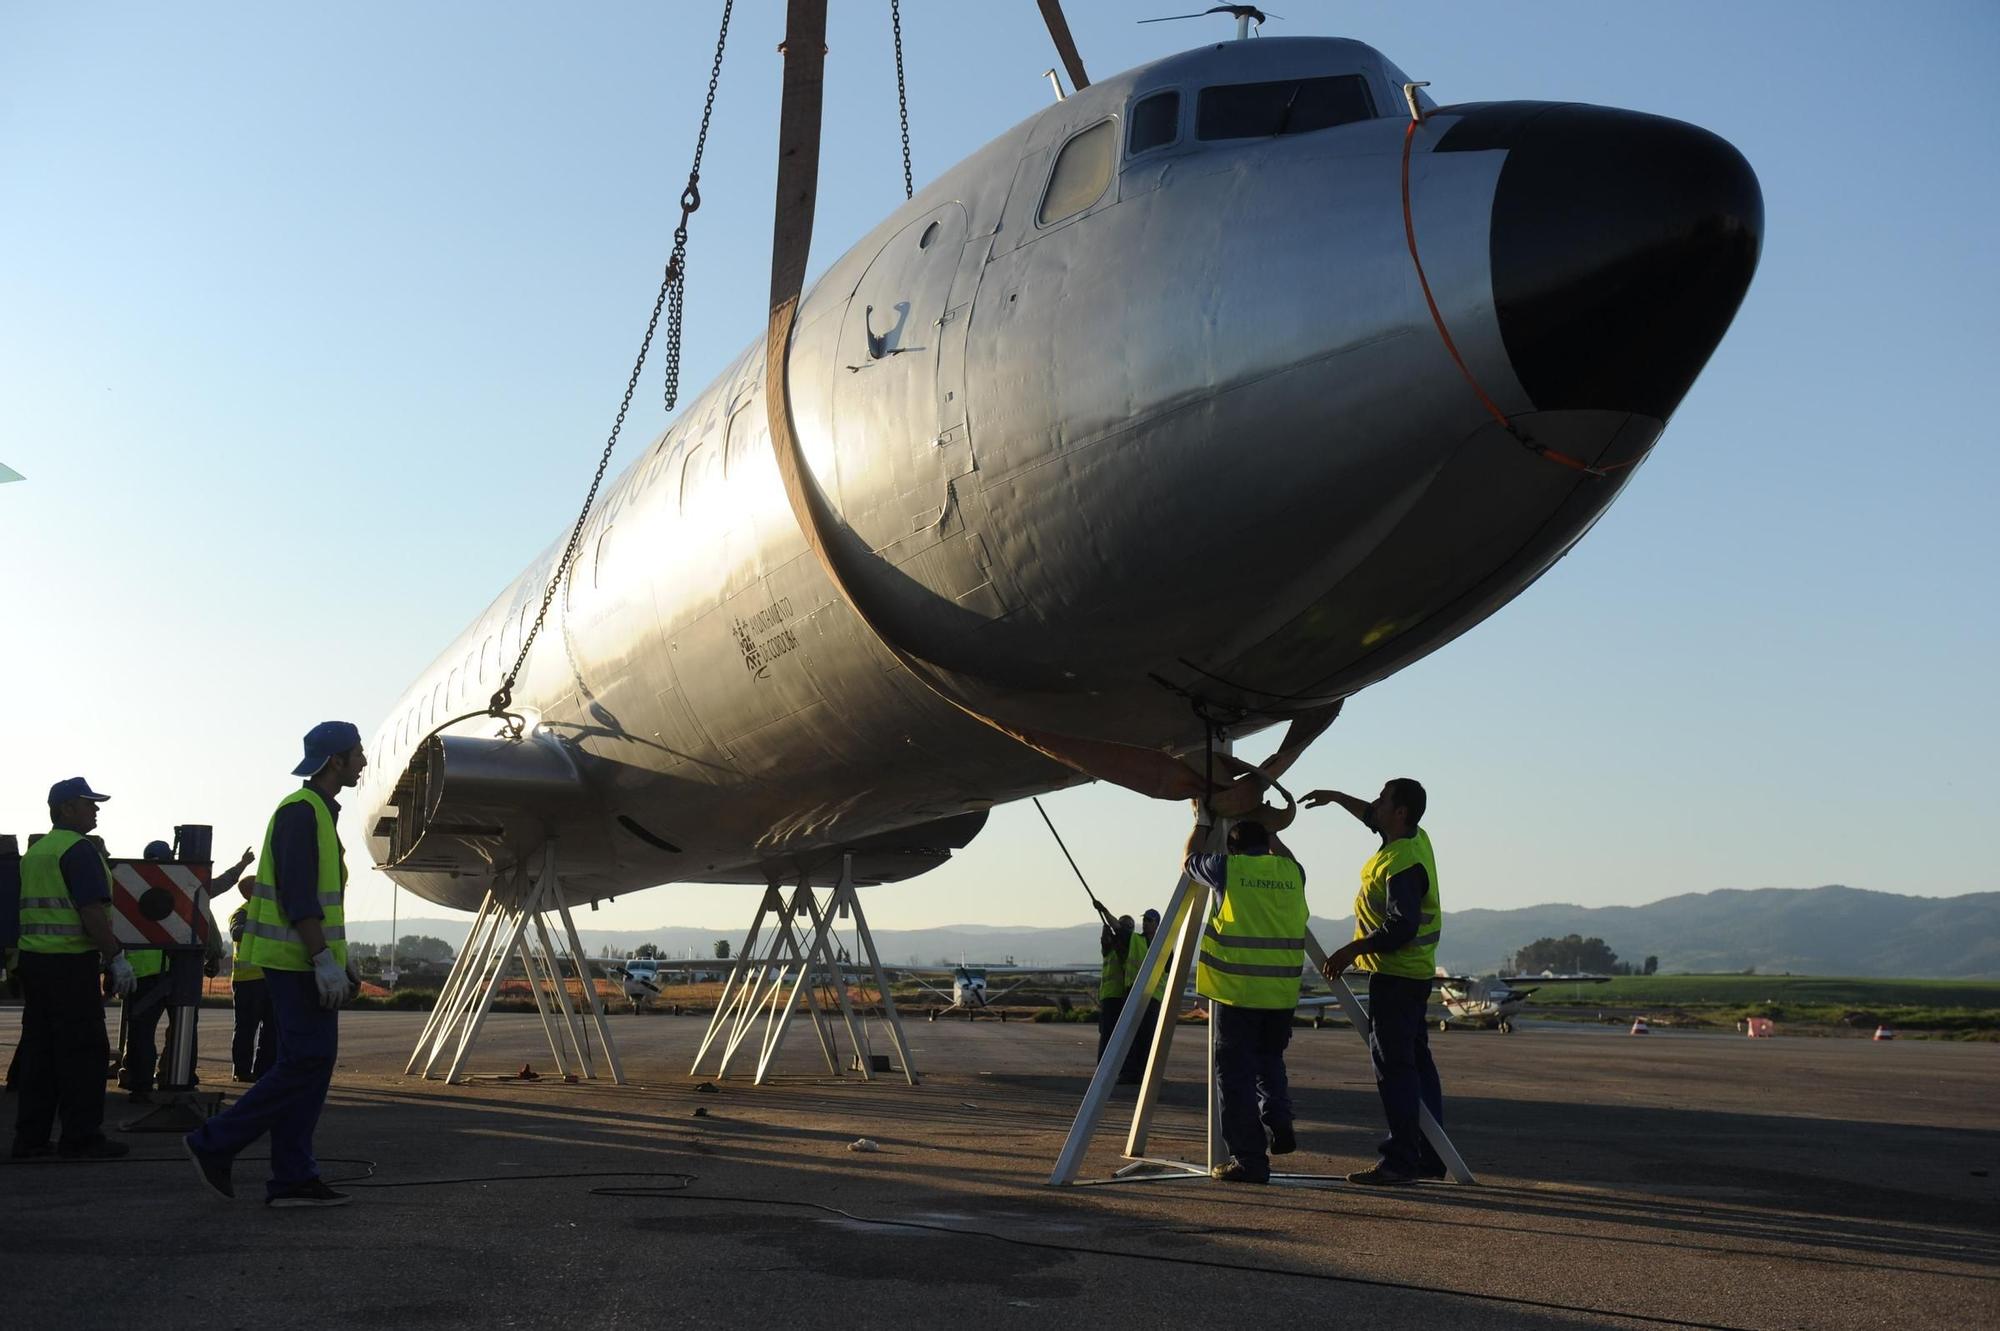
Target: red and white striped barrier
(158, 905)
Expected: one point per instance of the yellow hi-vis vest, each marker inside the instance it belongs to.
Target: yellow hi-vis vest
(49, 919)
(1253, 947)
(269, 941)
(1135, 962)
(1417, 960)
(146, 961)
(1112, 981)
(241, 971)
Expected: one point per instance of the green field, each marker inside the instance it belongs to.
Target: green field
(1745, 989)
(1965, 1009)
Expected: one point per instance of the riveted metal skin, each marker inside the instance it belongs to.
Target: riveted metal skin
(1198, 437)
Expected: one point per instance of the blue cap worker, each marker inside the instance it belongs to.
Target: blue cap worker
(1135, 961)
(1114, 942)
(1398, 919)
(1253, 955)
(65, 929)
(164, 989)
(295, 933)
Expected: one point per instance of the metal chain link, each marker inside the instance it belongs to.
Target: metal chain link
(672, 297)
(902, 96)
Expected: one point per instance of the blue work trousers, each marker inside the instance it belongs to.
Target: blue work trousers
(1405, 1077)
(253, 1047)
(63, 1049)
(150, 999)
(1107, 1021)
(286, 1101)
(1250, 1075)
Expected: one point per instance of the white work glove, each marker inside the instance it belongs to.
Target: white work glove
(123, 981)
(330, 978)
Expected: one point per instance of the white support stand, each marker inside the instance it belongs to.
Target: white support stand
(766, 986)
(1183, 925)
(506, 930)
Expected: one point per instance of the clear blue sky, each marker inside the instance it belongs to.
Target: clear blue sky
(313, 318)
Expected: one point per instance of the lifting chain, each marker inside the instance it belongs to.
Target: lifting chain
(902, 96)
(671, 296)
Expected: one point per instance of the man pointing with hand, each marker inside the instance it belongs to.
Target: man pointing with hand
(295, 932)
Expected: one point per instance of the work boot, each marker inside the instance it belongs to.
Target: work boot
(311, 1193)
(1238, 1172)
(31, 1150)
(1283, 1140)
(94, 1148)
(138, 1097)
(1381, 1175)
(213, 1169)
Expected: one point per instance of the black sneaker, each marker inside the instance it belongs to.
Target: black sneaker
(1283, 1140)
(314, 1193)
(31, 1150)
(1381, 1176)
(1237, 1172)
(94, 1148)
(214, 1169)
(138, 1097)
(1434, 1172)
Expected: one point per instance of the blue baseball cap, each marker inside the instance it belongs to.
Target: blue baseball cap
(76, 788)
(1151, 916)
(324, 741)
(158, 850)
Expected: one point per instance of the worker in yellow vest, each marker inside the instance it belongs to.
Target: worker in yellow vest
(1135, 961)
(254, 1046)
(294, 930)
(1114, 942)
(65, 929)
(1253, 956)
(1398, 919)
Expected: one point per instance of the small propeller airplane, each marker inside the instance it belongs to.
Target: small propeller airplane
(1491, 1002)
(971, 991)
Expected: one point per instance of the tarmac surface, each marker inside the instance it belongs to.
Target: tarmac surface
(1677, 1181)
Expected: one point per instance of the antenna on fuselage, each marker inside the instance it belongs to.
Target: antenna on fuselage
(1245, 15)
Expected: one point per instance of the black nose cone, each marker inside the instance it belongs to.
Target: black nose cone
(1621, 246)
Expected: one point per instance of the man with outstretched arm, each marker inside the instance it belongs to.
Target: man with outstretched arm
(1398, 918)
(1253, 954)
(295, 932)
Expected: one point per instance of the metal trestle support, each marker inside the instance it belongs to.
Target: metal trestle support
(515, 924)
(795, 960)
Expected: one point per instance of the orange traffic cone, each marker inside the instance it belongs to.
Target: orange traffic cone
(1884, 1033)
(1639, 1026)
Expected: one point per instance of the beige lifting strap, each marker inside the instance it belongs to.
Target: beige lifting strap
(1147, 771)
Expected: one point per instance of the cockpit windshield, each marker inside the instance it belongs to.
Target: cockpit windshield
(1287, 106)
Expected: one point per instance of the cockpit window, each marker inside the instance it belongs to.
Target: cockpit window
(1156, 122)
(1082, 170)
(1289, 106)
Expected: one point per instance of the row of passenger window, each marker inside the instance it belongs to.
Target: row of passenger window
(745, 446)
(1084, 167)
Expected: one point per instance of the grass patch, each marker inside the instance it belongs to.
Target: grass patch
(1959, 1009)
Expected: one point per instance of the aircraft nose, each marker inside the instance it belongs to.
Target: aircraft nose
(1621, 246)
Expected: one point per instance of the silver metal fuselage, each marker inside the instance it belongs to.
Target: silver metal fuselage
(1201, 437)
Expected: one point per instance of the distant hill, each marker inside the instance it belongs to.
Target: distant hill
(1806, 931)
(1799, 930)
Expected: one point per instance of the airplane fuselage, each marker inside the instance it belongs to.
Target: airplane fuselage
(1131, 406)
